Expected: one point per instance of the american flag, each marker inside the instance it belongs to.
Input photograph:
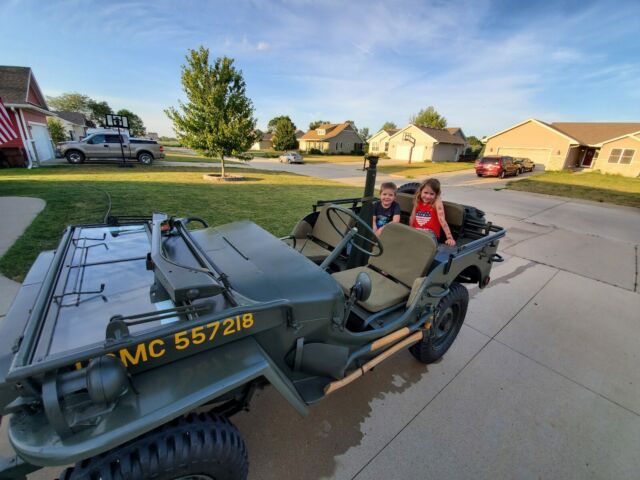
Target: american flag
(7, 133)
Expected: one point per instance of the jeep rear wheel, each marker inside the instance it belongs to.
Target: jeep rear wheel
(74, 156)
(202, 446)
(451, 312)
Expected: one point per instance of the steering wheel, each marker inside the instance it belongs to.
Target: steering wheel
(334, 212)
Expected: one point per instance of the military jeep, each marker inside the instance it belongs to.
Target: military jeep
(118, 336)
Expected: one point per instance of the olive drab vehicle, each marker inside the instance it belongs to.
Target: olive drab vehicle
(118, 335)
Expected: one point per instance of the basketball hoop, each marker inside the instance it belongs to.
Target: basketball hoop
(118, 121)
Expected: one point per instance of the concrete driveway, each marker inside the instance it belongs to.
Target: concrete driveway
(543, 381)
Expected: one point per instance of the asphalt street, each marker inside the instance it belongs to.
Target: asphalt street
(542, 382)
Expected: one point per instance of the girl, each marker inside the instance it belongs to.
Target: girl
(428, 211)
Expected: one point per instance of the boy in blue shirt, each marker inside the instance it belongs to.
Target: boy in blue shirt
(387, 209)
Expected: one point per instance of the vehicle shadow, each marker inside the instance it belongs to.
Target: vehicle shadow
(282, 444)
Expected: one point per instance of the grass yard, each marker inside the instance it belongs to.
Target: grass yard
(594, 186)
(421, 169)
(273, 200)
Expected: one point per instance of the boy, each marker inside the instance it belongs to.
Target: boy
(387, 209)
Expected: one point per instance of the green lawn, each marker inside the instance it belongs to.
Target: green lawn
(415, 170)
(274, 200)
(594, 186)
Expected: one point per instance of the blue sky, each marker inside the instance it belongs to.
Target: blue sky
(484, 65)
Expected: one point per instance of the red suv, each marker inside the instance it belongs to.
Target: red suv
(497, 166)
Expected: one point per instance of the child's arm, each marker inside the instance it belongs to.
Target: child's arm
(373, 224)
(396, 215)
(412, 217)
(443, 223)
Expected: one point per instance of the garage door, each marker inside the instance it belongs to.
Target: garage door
(537, 155)
(42, 141)
(402, 152)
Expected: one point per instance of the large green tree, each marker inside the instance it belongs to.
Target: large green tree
(271, 126)
(56, 130)
(429, 117)
(364, 133)
(217, 118)
(389, 126)
(98, 111)
(284, 135)
(136, 125)
(77, 102)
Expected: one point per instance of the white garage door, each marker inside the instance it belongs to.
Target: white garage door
(537, 155)
(42, 141)
(418, 153)
(402, 152)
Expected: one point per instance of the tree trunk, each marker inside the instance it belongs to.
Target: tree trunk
(222, 166)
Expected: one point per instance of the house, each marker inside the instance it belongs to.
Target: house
(28, 112)
(75, 124)
(265, 142)
(415, 143)
(332, 138)
(379, 142)
(608, 147)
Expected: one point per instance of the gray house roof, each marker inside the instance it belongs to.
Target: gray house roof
(73, 117)
(14, 85)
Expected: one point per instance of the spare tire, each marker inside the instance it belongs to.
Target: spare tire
(411, 188)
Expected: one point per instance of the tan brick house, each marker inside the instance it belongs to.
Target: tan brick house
(561, 145)
(332, 138)
(415, 143)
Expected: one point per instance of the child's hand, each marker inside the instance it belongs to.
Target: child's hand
(450, 242)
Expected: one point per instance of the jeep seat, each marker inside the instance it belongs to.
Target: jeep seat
(407, 255)
(318, 242)
(453, 212)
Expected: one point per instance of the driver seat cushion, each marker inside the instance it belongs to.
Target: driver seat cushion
(324, 232)
(407, 255)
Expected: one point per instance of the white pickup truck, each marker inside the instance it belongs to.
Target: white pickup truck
(106, 146)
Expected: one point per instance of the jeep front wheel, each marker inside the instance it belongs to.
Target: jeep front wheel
(74, 156)
(451, 312)
(198, 446)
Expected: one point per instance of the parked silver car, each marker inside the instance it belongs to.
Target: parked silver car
(291, 157)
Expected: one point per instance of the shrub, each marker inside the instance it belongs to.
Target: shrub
(315, 151)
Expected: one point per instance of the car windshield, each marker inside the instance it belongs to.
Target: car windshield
(489, 160)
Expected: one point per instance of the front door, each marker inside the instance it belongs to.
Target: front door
(97, 147)
(588, 157)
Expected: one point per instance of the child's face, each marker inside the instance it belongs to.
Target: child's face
(387, 196)
(427, 195)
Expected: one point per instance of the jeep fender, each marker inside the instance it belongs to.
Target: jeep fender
(165, 393)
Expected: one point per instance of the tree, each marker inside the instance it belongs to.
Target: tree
(271, 126)
(70, 102)
(389, 126)
(316, 124)
(136, 125)
(97, 111)
(364, 133)
(284, 135)
(217, 118)
(474, 142)
(77, 102)
(429, 117)
(353, 125)
(56, 130)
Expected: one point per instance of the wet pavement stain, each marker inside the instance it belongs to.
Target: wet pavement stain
(504, 279)
(282, 444)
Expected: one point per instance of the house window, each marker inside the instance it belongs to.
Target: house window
(622, 156)
(374, 146)
(386, 146)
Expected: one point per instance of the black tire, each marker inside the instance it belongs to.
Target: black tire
(203, 444)
(517, 173)
(479, 174)
(502, 174)
(521, 171)
(411, 188)
(532, 167)
(74, 157)
(145, 158)
(451, 312)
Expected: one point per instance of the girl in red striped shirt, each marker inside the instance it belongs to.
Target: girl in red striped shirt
(428, 211)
